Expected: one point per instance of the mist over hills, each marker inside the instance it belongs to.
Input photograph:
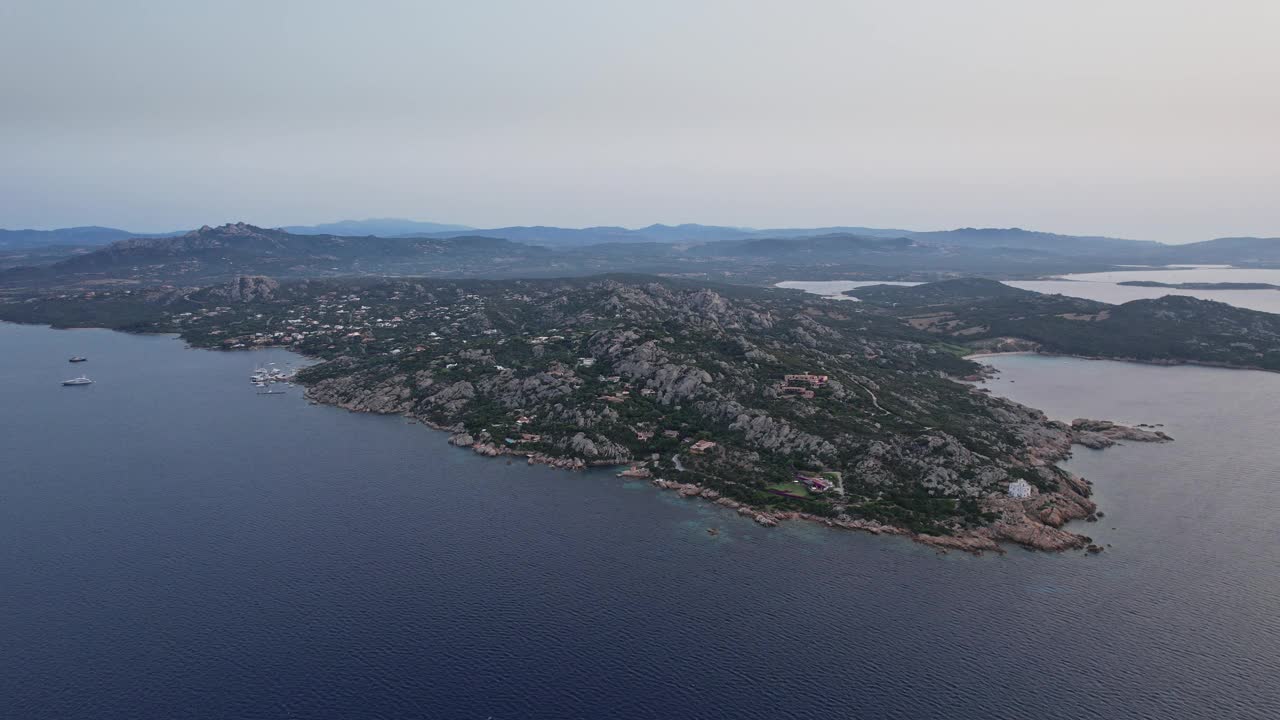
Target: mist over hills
(660, 233)
(89, 235)
(229, 250)
(383, 227)
(1237, 250)
(697, 251)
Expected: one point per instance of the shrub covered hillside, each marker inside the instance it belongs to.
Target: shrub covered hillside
(985, 313)
(776, 400)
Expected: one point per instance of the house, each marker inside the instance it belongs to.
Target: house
(1019, 489)
(529, 437)
(701, 447)
(801, 392)
(811, 380)
(524, 420)
(816, 484)
(644, 435)
(671, 433)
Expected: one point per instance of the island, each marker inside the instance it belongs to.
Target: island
(988, 316)
(778, 404)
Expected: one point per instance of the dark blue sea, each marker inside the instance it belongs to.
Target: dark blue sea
(173, 545)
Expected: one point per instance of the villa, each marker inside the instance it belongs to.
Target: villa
(1019, 489)
(701, 447)
(811, 380)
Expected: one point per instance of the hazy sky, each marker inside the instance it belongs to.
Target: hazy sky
(1155, 119)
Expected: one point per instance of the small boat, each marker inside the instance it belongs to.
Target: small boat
(272, 392)
(713, 531)
(82, 380)
(78, 359)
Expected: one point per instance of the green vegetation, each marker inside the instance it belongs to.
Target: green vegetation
(627, 369)
(980, 314)
(792, 488)
(630, 369)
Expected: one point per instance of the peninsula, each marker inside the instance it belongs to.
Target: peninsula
(986, 315)
(776, 403)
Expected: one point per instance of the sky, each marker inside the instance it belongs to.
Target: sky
(1149, 119)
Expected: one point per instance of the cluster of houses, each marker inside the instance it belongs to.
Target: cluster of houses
(347, 317)
(802, 385)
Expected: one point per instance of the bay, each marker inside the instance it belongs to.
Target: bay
(1106, 287)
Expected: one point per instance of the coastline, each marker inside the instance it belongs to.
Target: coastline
(1137, 361)
(1035, 523)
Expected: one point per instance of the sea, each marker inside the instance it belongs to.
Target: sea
(1106, 287)
(174, 545)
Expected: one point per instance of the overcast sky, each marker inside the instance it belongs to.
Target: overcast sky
(1153, 119)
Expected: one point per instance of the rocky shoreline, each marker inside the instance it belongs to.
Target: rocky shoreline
(1035, 522)
(1034, 349)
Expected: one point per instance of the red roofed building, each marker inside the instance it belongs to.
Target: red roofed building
(701, 447)
(811, 380)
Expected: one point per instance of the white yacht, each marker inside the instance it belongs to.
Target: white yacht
(82, 380)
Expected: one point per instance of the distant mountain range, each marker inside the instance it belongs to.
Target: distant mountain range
(382, 227)
(238, 248)
(1233, 250)
(550, 236)
(90, 235)
(93, 235)
(702, 251)
(686, 233)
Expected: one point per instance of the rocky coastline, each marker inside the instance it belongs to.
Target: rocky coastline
(1036, 522)
(1028, 347)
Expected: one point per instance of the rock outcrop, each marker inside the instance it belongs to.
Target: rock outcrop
(1099, 434)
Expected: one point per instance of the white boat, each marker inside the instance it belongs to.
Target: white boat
(82, 380)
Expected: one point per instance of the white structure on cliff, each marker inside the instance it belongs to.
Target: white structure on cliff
(1019, 489)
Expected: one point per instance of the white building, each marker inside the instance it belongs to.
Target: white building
(1019, 489)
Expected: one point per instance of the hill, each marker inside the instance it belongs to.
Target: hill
(381, 227)
(210, 254)
(1017, 238)
(580, 237)
(1008, 238)
(985, 314)
(1233, 251)
(236, 249)
(78, 236)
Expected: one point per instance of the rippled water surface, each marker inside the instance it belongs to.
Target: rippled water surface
(175, 546)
